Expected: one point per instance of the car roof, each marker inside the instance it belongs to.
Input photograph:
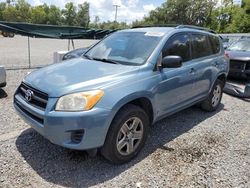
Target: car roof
(168, 29)
(151, 29)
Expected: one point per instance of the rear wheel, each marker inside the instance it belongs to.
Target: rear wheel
(127, 135)
(214, 99)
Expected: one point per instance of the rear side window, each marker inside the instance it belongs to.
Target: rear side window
(201, 46)
(215, 42)
(178, 45)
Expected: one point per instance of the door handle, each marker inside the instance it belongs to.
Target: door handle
(216, 64)
(192, 71)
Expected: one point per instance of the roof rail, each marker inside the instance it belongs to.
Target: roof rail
(196, 27)
(177, 26)
(160, 25)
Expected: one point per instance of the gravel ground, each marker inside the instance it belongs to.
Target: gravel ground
(14, 51)
(189, 149)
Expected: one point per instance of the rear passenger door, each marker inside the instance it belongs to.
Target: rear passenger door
(204, 62)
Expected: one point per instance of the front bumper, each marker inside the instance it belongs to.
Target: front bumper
(58, 127)
(239, 69)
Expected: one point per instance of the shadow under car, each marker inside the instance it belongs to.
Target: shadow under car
(75, 169)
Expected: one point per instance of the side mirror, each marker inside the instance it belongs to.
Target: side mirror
(171, 62)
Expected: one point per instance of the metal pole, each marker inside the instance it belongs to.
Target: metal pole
(73, 44)
(116, 9)
(68, 44)
(29, 51)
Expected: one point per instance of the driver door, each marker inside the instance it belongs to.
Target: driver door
(175, 89)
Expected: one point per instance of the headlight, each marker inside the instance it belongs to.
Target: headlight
(82, 101)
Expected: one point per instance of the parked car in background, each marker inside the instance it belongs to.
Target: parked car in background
(108, 98)
(2, 76)
(75, 53)
(239, 54)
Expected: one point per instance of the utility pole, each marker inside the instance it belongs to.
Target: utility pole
(116, 9)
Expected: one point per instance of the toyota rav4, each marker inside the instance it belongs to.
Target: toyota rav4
(108, 98)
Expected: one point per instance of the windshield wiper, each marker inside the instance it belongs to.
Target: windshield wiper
(105, 60)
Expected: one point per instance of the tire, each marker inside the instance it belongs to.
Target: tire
(214, 99)
(5, 34)
(11, 35)
(123, 135)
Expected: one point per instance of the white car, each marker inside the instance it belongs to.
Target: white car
(2, 76)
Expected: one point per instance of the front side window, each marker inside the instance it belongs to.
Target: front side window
(130, 48)
(178, 45)
(201, 46)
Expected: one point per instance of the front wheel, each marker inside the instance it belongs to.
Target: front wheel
(127, 135)
(213, 101)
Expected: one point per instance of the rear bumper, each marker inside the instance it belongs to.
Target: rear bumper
(58, 127)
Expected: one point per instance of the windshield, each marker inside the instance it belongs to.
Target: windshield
(242, 45)
(129, 48)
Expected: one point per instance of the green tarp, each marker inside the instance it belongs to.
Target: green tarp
(51, 31)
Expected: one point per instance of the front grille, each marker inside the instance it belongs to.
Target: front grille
(239, 65)
(39, 120)
(38, 99)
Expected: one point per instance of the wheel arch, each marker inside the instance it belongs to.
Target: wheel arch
(143, 101)
(222, 77)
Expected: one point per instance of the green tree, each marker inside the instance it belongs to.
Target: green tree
(96, 21)
(54, 16)
(195, 12)
(2, 8)
(83, 15)
(69, 14)
(24, 11)
(38, 15)
(10, 14)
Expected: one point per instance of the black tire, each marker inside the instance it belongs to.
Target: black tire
(11, 35)
(110, 149)
(5, 34)
(208, 104)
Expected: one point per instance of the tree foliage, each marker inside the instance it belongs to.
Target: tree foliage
(224, 18)
(22, 11)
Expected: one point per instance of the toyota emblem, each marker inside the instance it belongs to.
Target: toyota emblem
(28, 95)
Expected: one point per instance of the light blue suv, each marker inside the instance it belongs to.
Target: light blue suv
(108, 98)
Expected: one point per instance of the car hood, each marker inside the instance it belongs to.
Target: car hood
(78, 75)
(239, 55)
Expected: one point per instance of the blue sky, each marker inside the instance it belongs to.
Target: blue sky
(128, 11)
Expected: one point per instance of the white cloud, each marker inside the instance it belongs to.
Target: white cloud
(132, 3)
(37, 2)
(149, 7)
